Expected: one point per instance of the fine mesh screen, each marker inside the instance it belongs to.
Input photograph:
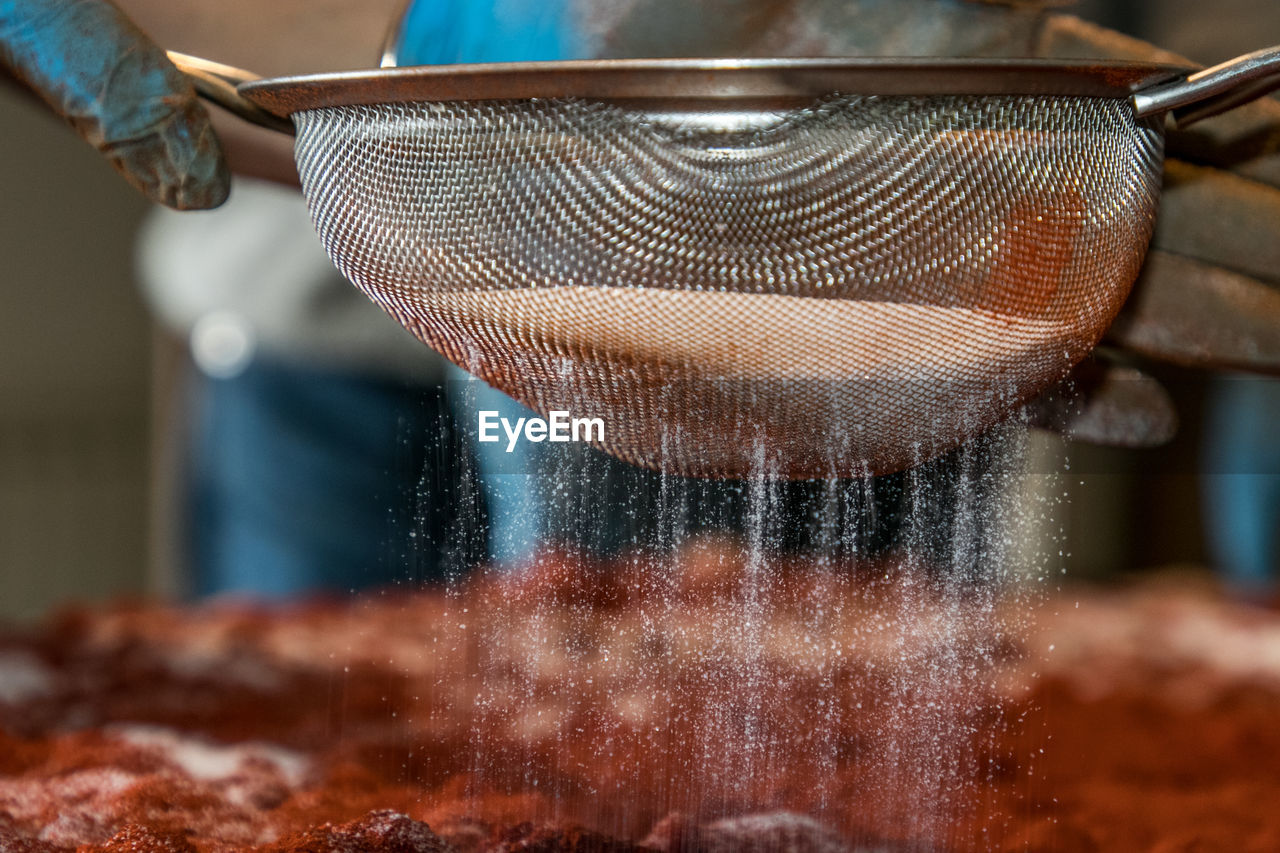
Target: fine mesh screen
(841, 290)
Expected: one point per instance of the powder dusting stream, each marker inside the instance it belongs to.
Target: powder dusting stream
(821, 293)
(808, 678)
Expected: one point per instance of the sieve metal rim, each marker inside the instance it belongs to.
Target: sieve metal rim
(765, 83)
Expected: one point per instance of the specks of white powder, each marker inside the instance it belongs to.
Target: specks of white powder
(222, 665)
(774, 831)
(23, 677)
(210, 762)
(84, 800)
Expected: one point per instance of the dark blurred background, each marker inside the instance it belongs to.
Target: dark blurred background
(75, 371)
(82, 371)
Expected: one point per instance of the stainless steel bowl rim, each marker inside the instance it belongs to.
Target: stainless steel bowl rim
(745, 83)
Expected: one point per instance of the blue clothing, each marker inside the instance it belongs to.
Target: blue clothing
(501, 31)
(1240, 483)
(509, 481)
(307, 480)
(438, 32)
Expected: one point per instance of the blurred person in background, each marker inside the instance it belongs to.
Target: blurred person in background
(322, 455)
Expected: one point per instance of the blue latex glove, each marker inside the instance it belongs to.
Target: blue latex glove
(117, 89)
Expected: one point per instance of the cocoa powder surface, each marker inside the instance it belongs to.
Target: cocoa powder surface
(1127, 719)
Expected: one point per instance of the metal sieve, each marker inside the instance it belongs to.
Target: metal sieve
(808, 267)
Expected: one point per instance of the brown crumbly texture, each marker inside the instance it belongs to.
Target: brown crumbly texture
(676, 707)
(141, 839)
(554, 839)
(383, 831)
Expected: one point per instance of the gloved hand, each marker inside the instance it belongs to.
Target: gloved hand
(117, 89)
(1210, 292)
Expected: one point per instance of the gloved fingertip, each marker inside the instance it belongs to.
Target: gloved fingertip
(205, 182)
(180, 164)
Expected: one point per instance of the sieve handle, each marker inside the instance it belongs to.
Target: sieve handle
(218, 83)
(1213, 90)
